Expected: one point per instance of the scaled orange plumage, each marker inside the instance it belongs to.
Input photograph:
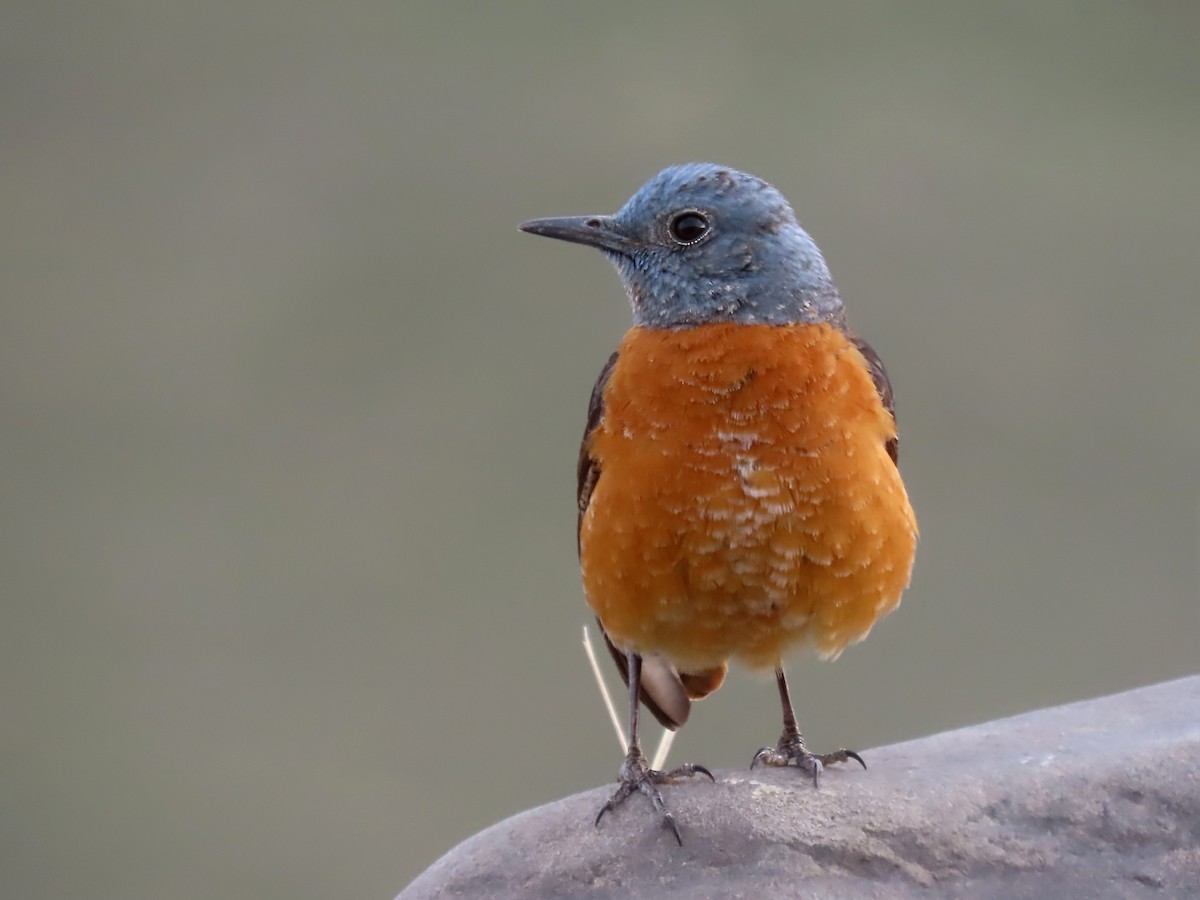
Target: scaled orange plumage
(748, 504)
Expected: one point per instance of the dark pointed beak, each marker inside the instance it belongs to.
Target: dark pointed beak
(594, 231)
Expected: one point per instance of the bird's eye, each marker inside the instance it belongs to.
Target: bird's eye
(688, 227)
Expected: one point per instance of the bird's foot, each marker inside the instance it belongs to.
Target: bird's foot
(791, 747)
(636, 775)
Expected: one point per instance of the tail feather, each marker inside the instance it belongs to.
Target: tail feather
(666, 692)
(700, 684)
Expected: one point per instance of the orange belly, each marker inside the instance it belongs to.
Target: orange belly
(746, 503)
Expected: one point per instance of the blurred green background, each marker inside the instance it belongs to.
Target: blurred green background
(291, 409)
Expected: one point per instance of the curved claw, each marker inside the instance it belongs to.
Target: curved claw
(607, 807)
(856, 757)
(623, 790)
(758, 757)
(669, 820)
(840, 756)
(688, 769)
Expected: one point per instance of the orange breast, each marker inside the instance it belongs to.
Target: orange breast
(746, 503)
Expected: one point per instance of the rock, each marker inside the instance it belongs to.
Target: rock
(1094, 799)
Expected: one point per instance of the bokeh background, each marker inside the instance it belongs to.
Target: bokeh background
(290, 408)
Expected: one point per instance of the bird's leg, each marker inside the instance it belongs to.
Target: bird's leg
(635, 773)
(791, 743)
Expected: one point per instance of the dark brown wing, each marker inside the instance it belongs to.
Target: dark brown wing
(883, 386)
(661, 691)
(588, 471)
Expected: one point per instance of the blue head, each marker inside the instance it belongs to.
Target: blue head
(702, 243)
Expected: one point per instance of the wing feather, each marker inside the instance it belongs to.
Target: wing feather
(883, 385)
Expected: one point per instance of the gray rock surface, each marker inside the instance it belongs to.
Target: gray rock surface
(1094, 799)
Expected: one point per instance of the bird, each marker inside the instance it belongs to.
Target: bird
(739, 496)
